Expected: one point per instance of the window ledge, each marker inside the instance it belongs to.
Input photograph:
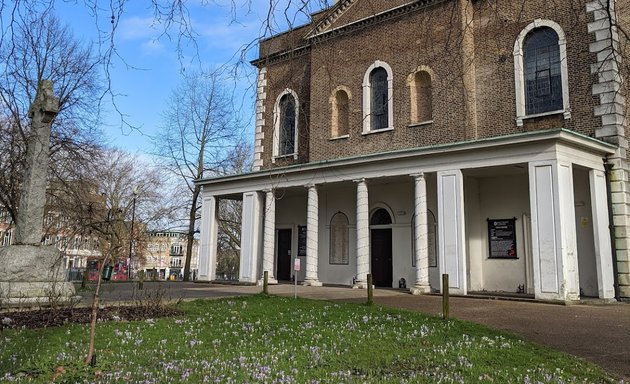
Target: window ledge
(565, 112)
(339, 137)
(378, 131)
(294, 155)
(412, 125)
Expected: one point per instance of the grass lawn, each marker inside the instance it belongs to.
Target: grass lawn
(283, 340)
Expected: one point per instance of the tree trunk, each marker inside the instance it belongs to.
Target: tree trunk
(192, 219)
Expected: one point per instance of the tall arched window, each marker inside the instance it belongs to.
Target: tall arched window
(421, 96)
(378, 98)
(543, 81)
(285, 124)
(340, 113)
(339, 239)
(541, 71)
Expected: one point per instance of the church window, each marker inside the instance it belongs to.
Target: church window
(378, 98)
(541, 71)
(286, 124)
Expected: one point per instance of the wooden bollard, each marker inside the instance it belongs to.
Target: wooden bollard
(370, 290)
(445, 296)
(141, 280)
(266, 282)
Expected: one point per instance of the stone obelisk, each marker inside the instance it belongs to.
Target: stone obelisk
(31, 273)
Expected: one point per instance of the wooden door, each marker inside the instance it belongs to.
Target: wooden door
(284, 254)
(381, 257)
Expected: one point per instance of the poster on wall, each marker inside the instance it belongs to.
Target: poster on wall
(301, 240)
(502, 238)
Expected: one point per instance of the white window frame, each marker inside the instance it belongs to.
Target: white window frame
(367, 98)
(519, 71)
(276, 126)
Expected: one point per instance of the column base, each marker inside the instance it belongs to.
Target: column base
(261, 282)
(420, 289)
(360, 285)
(312, 283)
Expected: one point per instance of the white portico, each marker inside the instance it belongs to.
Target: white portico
(408, 216)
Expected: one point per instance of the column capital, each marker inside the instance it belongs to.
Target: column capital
(311, 185)
(361, 180)
(417, 175)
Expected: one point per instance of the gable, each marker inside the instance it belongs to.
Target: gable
(346, 12)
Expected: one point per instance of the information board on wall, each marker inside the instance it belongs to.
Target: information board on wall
(301, 240)
(502, 238)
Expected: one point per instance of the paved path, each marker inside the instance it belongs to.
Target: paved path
(598, 333)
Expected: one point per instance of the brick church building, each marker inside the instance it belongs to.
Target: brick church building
(484, 139)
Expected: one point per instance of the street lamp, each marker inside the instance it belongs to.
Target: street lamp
(133, 218)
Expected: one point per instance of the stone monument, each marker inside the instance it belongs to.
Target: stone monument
(33, 274)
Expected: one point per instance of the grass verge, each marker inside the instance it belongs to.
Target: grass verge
(282, 340)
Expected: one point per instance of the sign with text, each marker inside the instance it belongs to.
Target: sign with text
(502, 238)
(301, 240)
(296, 264)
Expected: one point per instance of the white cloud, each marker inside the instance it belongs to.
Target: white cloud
(133, 28)
(152, 47)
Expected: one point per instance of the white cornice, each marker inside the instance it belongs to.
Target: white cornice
(496, 151)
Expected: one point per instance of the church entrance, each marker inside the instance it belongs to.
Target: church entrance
(284, 254)
(381, 248)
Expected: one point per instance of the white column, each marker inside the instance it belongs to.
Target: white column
(209, 234)
(269, 237)
(421, 237)
(363, 235)
(601, 234)
(451, 230)
(251, 237)
(554, 248)
(312, 226)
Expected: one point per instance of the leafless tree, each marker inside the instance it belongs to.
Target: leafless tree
(42, 48)
(199, 137)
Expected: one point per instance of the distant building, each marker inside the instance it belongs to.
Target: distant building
(165, 255)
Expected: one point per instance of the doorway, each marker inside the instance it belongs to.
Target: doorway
(284, 254)
(381, 248)
(381, 257)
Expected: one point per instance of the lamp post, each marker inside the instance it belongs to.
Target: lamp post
(133, 218)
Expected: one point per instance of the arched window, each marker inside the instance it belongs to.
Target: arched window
(380, 217)
(285, 124)
(543, 81)
(378, 98)
(421, 96)
(340, 114)
(541, 71)
(339, 239)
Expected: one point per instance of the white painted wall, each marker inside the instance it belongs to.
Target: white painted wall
(290, 213)
(501, 197)
(584, 231)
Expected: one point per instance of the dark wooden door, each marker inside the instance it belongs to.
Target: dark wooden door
(381, 257)
(284, 254)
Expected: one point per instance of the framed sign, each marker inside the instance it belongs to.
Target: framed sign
(301, 240)
(502, 238)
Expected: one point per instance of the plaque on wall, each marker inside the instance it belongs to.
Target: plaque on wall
(502, 238)
(301, 240)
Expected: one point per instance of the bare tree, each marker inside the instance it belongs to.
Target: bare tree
(198, 139)
(42, 48)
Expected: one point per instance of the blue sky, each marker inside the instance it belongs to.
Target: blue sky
(149, 66)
